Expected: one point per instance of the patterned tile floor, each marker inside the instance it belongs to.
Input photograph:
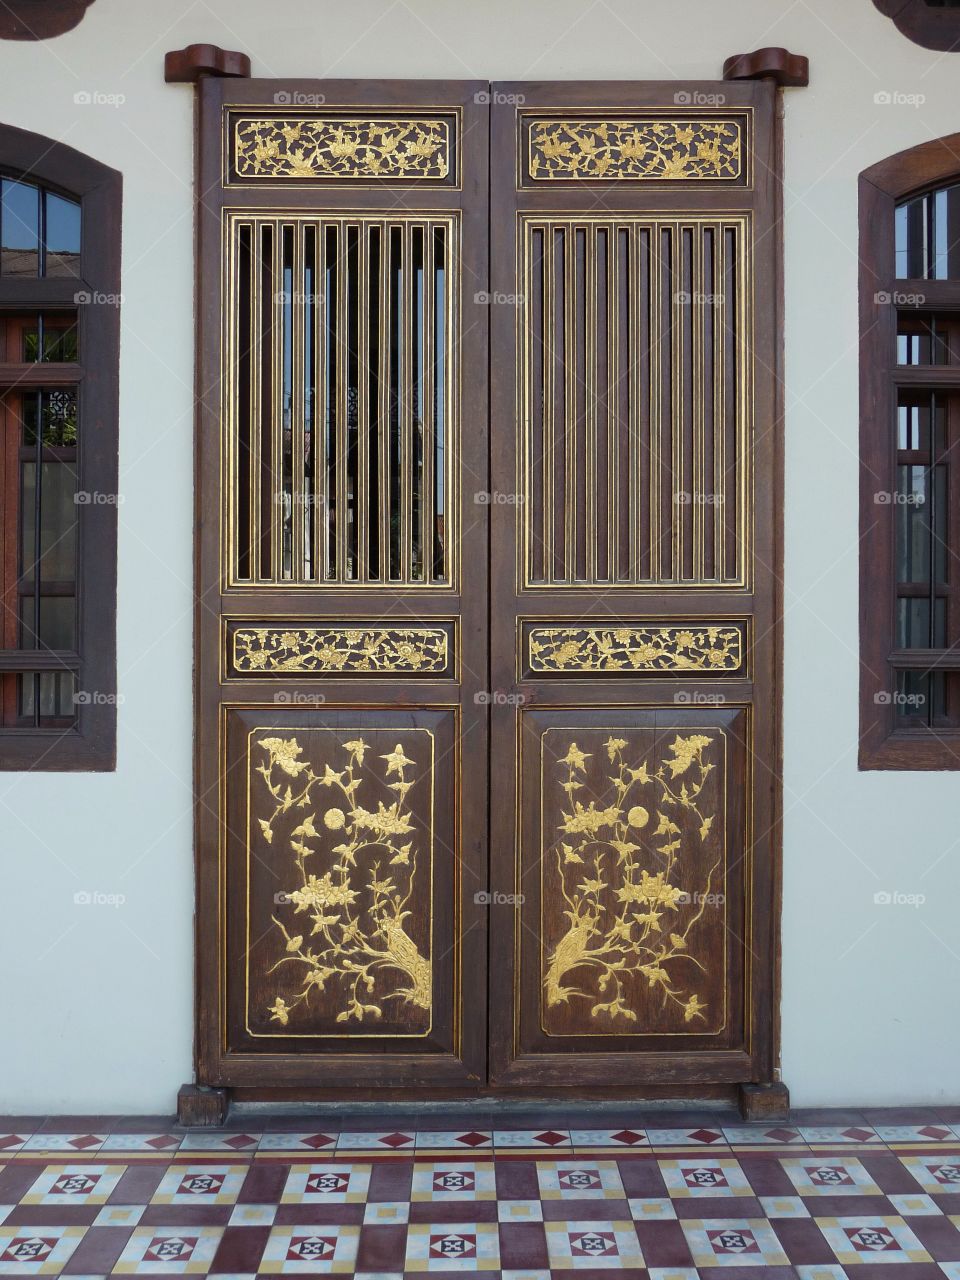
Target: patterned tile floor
(669, 1196)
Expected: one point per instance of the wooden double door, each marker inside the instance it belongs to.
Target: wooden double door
(487, 736)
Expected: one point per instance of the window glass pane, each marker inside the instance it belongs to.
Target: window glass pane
(913, 533)
(58, 522)
(927, 233)
(59, 340)
(57, 410)
(913, 622)
(62, 236)
(20, 229)
(54, 692)
(913, 421)
(923, 339)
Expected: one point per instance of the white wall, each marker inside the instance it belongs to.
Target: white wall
(96, 1001)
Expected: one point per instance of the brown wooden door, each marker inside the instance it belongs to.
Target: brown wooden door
(486, 647)
(633, 249)
(342, 748)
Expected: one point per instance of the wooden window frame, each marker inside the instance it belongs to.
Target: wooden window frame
(884, 745)
(90, 744)
(928, 27)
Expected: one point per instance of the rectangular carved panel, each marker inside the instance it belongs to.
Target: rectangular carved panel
(342, 389)
(635, 400)
(312, 146)
(638, 149)
(341, 913)
(700, 648)
(347, 649)
(633, 867)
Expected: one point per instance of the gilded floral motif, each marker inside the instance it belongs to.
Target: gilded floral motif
(356, 870)
(329, 147)
(629, 912)
(669, 648)
(322, 650)
(637, 149)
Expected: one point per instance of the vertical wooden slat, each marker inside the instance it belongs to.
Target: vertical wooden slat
(427, 420)
(275, 475)
(569, 552)
(254, 338)
(298, 409)
(699, 487)
(644, 476)
(383, 408)
(340, 434)
(590, 390)
(708, 396)
(549, 402)
(406, 409)
(362, 497)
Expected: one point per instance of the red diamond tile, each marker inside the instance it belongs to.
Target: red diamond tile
(161, 1143)
(705, 1135)
(84, 1140)
(318, 1140)
(628, 1136)
(397, 1140)
(859, 1135)
(931, 1131)
(473, 1139)
(240, 1142)
(550, 1138)
(28, 1249)
(10, 1140)
(782, 1135)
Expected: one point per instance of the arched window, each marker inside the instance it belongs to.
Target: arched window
(910, 459)
(59, 350)
(932, 24)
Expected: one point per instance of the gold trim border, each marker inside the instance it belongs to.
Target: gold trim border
(644, 638)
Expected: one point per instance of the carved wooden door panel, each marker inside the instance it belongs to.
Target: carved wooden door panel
(342, 749)
(634, 553)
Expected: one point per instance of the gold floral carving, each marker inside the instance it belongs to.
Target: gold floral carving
(320, 650)
(669, 648)
(628, 913)
(637, 149)
(356, 871)
(330, 147)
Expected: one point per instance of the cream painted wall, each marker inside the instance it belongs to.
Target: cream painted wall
(96, 1001)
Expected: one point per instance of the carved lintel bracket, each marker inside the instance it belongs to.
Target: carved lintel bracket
(186, 66)
(202, 1107)
(789, 70)
(765, 1102)
(28, 20)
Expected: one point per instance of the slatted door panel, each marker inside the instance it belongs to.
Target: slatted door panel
(633, 578)
(342, 749)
